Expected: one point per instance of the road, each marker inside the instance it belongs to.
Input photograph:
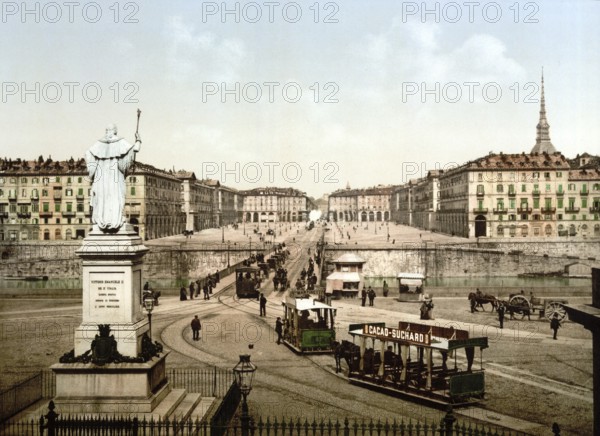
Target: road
(531, 381)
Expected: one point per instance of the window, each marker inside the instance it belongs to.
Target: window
(559, 202)
(558, 174)
(69, 207)
(547, 176)
(571, 187)
(68, 180)
(46, 207)
(23, 179)
(80, 207)
(536, 203)
(133, 190)
(584, 202)
(524, 230)
(57, 179)
(523, 188)
(480, 177)
(35, 207)
(79, 179)
(512, 203)
(548, 187)
(499, 177)
(80, 191)
(499, 188)
(68, 192)
(57, 207)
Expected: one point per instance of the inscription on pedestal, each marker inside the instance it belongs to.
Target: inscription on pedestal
(105, 293)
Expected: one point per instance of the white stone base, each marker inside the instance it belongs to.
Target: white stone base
(112, 388)
(128, 337)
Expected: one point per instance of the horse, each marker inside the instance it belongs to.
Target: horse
(348, 351)
(482, 299)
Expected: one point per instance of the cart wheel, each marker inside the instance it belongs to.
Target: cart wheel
(555, 307)
(520, 301)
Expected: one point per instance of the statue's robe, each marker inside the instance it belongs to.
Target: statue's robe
(108, 162)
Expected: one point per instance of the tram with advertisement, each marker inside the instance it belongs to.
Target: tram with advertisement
(247, 282)
(308, 324)
(418, 361)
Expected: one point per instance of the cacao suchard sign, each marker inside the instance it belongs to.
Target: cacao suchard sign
(387, 333)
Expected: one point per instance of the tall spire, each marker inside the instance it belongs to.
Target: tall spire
(542, 140)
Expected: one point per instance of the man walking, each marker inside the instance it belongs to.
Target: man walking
(363, 296)
(371, 296)
(555, 324)
(263, 305)
(196, 327)
(501, 311)
(278, 329)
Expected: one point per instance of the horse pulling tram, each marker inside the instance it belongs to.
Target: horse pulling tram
(308, 324)
(247, 282)
(403, 361)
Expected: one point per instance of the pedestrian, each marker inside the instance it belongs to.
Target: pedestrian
(555, 324)
(192, 284)
(363, 296)
(198, 288)
(386, 289)
(263, 305)
(501, 310)
(473, 305)
(371, 294)
(146, 286)
(278, 329)
(196, 327)
(206, 291)
(182, 294)
(217, 277)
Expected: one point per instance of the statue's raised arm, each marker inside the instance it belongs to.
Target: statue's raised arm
(108, 161)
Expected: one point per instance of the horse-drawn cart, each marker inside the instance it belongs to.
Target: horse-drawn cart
(546, 307)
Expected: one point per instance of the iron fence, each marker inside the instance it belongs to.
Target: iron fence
(261, 427)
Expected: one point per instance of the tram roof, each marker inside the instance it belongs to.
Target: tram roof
(247, 268)
(423, 335)
(306, 303)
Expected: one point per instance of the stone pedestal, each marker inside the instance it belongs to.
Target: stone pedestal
(112, 289)
(119, 388)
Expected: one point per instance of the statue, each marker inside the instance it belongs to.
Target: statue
(108, 161)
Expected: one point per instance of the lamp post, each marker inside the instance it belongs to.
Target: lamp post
(223, 234)
(149, 305)
(244, 374)
(228, 246)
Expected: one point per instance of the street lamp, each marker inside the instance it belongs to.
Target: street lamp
(228, 247)
(244, 373)
(149, 305)
(223, 234)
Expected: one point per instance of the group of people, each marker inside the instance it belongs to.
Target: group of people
(367, 293)
(207, 285)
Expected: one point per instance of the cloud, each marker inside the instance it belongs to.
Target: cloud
(201, 55)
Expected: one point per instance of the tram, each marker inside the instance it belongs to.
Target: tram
(247, 282)
(411, 286)
(412, 361)
(308, 324)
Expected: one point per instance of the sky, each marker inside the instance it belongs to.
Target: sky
(312, 95)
